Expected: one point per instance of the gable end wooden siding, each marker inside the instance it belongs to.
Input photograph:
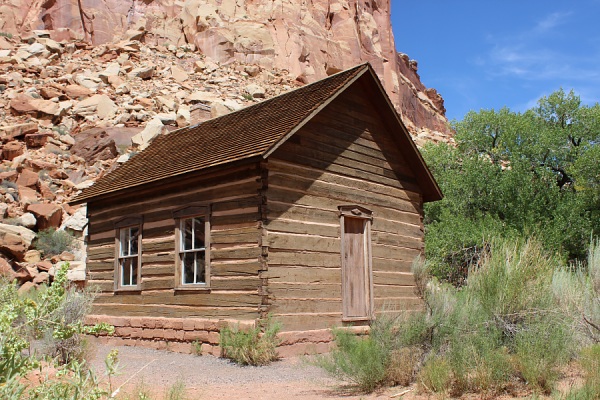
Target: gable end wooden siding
(344, 155)
(234, 196)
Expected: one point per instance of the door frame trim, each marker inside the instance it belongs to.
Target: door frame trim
(358, 212)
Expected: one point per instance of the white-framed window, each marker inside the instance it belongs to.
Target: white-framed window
(192, 251)
(128, 246)
(193, 247)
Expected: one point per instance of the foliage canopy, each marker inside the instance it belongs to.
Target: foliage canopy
(512, 174)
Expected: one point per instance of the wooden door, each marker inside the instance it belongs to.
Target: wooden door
(356, 276)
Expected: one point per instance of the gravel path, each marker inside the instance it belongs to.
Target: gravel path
(209, 377)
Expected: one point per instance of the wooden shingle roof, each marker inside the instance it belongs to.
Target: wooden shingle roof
(253, 131)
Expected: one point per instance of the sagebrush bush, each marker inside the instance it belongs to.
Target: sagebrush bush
(53, 242)
(517, 320)
(254, 346)
(24, 319)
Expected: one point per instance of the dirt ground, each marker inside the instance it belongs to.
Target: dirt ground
(208, 377)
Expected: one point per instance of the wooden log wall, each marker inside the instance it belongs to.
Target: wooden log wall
(234, 197)
(345, 155)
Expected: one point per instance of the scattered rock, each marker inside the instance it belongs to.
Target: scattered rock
(27, 220)
(153, 128)
(12, 150)
(8, 133)
(77, 91)
(32, 257)
(143, 72)
(47, 215)
(178, 74)
(6, 270)
(26, 288)
(28, 178)
(42, 277)
(77, 222)
(257, 92)
(15, 240)
(93, 145)
(35, 140)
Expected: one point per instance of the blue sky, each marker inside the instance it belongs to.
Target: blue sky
(493, 53)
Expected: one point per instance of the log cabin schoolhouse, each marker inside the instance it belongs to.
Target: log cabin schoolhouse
(307, 207)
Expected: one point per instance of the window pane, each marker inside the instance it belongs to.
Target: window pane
(129, 268)
(133, 240)
(129, 241)
(134, 269)
(124, 242)
(125, 272)
(198, 233)
(187, 267)
(186, 234)
(200, 269)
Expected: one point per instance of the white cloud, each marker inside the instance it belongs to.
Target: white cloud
(535, 53)
(552, 21)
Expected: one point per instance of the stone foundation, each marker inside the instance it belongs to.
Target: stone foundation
(201, 336)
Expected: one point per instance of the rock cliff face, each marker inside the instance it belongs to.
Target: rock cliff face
(309, 38)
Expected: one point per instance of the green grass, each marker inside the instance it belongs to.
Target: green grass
(252, 346)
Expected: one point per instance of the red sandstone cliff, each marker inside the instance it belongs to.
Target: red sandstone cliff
(310, 38)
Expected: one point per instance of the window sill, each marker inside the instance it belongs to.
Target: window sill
(193, 288)
(126, 290)
(357, 319)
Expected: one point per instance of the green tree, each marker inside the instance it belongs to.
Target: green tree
(517, 174)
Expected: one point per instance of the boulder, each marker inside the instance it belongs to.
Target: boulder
(15, 240)
(252, 70)
(77, 222)
(112, 70)
(26, 288)
(153, 128)
(167, 102)
(76, 272)
(202, 97)
(44, 265)
(36, 140)
(146, 72)
(178, 74)
(257, 92)
(77, 91)
(28, 178)
(184, 116)
(27, 195)
(50, 92)
(32, 256)
(99, 104)
(24, 104)
(27, 220)
(12, 150)
(47, 215)
(93, 145)
(8, 133)
(6, 270)
(42, 277)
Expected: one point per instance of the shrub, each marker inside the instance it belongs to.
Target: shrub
(53, 242)
(72, 310)
(362, 361)
(517, 320)
(403, 365)
(24, 319)
(390, 353)
(255, 346)
(436, 374)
